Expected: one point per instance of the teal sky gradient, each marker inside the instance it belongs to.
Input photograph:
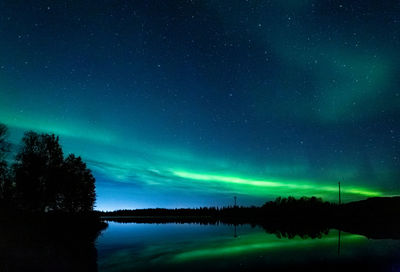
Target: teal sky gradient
(188, 104)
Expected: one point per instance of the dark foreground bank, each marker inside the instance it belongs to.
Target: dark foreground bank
(49, 242)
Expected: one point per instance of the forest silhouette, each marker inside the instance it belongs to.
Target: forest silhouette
(41, 179)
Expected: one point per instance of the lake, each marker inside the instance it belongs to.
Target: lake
(195, 247)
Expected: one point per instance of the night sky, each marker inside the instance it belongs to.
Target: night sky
(188, 103)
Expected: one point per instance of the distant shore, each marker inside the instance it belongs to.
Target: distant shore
(377, 217)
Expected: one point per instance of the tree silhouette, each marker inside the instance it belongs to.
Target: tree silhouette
(4, 145)
(38, 168)
(46, 182)
(79, 186)
(6, 186)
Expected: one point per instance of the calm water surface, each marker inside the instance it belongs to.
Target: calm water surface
(193, 247)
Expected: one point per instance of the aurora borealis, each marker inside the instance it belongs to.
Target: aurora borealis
(188, 103)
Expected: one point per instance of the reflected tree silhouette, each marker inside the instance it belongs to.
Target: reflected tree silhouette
(51, 243)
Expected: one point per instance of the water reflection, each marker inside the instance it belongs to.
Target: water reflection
(183, 247)
(32, 245)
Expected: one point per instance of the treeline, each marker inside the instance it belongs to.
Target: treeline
(306, 217)
(303, 206)
(281, 207)
(203, 211)
(41, 179)
(312, 217)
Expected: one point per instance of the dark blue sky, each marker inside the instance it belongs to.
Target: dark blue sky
(187, 103)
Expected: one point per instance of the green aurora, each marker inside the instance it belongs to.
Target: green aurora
(284, 186)
(189, 104)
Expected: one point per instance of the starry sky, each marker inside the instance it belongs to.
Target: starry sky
(188, 103)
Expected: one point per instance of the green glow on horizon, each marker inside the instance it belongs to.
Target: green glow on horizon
(117, 163)
(284, 184)
(151, 166)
